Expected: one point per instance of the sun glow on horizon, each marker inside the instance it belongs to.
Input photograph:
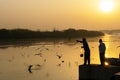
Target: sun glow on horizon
(106, 5)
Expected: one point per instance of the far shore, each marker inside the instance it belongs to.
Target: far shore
(21, 34)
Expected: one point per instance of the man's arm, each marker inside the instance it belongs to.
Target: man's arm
(79, 41)
(82, 46)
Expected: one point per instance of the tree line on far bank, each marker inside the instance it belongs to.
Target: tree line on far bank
(30, 34)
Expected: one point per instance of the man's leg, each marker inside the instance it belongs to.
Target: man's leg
(85, 58)
(101, 58)
(88, 59)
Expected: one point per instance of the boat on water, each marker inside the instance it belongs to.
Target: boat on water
(116, 76)
(113, 61)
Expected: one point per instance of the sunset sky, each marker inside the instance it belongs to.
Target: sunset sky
(60, 14)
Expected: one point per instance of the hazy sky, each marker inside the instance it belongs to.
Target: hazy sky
(58, 14)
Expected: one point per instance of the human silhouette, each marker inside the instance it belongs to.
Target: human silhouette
(86, 51)
(102, 49)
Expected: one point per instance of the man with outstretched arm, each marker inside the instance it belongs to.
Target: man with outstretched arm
(86, 51)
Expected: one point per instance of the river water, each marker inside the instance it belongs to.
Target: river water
(51, 60)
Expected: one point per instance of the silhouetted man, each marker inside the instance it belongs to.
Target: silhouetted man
(86, 51)
(102, 49)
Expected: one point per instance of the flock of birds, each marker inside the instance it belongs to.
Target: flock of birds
(32, 67)
(42, 49)
(38, 66)
(59, 56)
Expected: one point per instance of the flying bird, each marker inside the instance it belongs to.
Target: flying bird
(39, 54)
(29, 68)
(59, 56)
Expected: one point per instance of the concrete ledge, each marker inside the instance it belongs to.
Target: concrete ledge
(97, 72)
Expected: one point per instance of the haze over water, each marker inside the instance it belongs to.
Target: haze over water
(45, 60)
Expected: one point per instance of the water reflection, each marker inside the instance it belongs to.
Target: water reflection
(106, 38)
(51, 60)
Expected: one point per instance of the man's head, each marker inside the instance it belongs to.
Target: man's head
(100, 40)
(84, 39)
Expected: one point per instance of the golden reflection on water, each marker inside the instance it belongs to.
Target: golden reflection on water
(46, 57)
(112, 45)
(106, 40)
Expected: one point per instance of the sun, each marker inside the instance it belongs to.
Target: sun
(106, 5)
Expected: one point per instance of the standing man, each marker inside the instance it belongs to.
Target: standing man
(102, 49)
(86, 51)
